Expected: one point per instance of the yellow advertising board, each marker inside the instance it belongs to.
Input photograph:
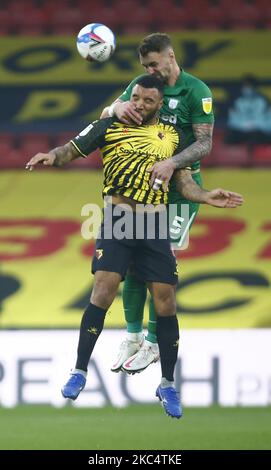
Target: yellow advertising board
(46, 86)
(45, 279)
(209, 55)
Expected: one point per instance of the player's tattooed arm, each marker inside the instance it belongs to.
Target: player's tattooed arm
(187, 187)
(219, 197)
(56, 157)
(64, 154)
(201, 147)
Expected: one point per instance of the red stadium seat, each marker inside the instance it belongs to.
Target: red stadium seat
(202, 14)
(261, 155)
(218, 139)
(30, 144)
(14, 160)
(224, 4)
(264, 9)
(177, 20)
(5, 29)
(231, 155)
(4, 17)
(31, 22)
(94, 160)
(62, 138)
(7, 141)
(70, 20)
(131, 29)
(226, 155)
(211, 17)
(37, 17)
(30, 30)
(163, 6)
(243, 17)
(104, 15)
(10, 156)
(143, 20)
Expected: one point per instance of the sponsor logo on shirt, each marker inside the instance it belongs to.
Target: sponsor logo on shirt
(207, 105)
(86, 130)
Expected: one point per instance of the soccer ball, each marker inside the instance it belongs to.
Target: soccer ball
(96, 42)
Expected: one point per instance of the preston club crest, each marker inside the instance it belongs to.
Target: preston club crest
(172, 104)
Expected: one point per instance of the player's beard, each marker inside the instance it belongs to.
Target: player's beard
(164, 77)
(149, 117)
(161, 77)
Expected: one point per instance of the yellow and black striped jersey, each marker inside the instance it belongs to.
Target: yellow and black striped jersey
(127, 152)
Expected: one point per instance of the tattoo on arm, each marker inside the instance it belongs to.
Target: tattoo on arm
(65, 154)
(202, 146)
(187, 187)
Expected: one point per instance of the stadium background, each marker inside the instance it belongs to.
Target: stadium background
(48, 93)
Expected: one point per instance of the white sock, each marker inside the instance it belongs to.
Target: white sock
(135, 337)
(79, 371)
(166, 383)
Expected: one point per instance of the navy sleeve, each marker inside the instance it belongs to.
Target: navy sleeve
(92, 137)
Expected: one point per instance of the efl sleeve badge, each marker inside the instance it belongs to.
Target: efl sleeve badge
(207, 105)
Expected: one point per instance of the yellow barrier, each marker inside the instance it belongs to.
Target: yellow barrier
(45, 275)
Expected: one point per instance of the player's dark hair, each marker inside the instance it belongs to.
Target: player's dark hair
(156, 42)
(150, 81)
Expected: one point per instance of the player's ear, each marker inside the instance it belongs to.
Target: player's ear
(160, 103)
(171, 53)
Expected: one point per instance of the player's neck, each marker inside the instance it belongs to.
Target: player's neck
(174, 75)
(152, 122)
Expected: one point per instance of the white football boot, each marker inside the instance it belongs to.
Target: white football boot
(147, 354)
(127, 348)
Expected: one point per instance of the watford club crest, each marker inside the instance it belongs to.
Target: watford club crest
(99, 254)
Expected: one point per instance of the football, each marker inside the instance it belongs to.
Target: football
(96, 42)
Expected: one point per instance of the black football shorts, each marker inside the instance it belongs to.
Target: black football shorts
(142, 241)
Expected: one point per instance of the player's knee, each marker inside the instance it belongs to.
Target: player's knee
(105, 288)
(102, 295)
(165, 306)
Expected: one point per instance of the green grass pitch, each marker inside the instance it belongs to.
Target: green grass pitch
(137, 427)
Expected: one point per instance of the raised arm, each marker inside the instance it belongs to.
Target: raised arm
(219, 197)
(56, 157)
(201, 147)
(124, 111)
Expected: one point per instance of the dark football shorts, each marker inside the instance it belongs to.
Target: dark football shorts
(142, 241)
